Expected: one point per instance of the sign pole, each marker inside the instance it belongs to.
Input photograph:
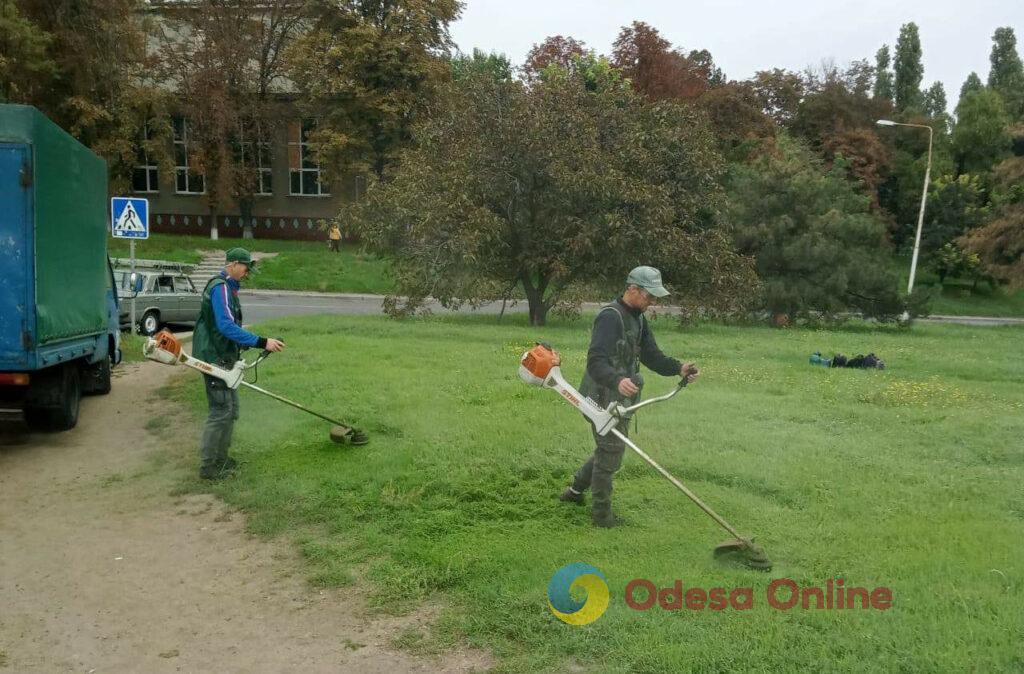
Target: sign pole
(131, 318)
(129, 219)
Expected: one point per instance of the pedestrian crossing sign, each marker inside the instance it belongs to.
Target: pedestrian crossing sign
(129, 218)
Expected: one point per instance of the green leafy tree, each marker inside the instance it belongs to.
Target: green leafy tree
(955, 205)
(909, 70)
(951, 261)
(567, 181)
(736, 114)
(935, 101)
(883, 74)
(83, 64)
(366, 69)
(1006, 77)
(26, 68)
(495, 65)
(971, 84)
(224, 62)
(999, 243)
(779, 93)
(817, 246)
(837, 119)
(981, 136)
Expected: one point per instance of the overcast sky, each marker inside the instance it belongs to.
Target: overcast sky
(747, 36)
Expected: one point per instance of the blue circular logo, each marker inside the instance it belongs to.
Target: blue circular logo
(579, 577)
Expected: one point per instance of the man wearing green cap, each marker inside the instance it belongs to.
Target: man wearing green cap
(219, 339)
(621, 339)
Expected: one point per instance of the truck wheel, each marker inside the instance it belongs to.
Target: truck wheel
(96, 378)
(150, 323)
(65, 416)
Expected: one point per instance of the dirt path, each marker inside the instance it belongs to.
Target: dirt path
(102, 570)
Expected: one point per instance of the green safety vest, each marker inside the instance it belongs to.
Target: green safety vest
(207, 341)
(625, 360)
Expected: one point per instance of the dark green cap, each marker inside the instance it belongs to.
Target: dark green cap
(243, 256)
(647, 278)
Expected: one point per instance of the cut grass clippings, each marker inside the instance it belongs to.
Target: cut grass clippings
(908, 478)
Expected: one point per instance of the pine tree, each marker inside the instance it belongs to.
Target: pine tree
(909, 70)
(1007, 74)
(883, 75)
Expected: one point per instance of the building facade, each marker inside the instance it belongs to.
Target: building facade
(291, 199)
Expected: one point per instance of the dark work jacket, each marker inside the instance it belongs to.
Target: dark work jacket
(616, 352)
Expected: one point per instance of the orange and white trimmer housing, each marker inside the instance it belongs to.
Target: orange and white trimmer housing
(165, 348)
(536, 364)
(540, 367)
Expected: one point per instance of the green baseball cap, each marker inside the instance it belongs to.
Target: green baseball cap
(243, 256)
(647, 278)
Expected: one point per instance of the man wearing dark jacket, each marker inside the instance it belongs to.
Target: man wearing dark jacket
(621, 339)
(219, 339)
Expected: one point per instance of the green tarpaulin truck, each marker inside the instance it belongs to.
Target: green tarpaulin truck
(58, 306)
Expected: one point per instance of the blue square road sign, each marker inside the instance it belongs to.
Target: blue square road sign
(129, 218)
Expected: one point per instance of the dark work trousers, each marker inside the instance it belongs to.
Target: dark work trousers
(599, 469)
(220, 423)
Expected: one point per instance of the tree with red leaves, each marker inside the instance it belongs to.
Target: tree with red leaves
(556, 50)
(657, 71)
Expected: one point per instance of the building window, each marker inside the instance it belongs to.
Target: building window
(263, 164)
(145, 177)
(258, 159)
(304, 173)
(186, 179)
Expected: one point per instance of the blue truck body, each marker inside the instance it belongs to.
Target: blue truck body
(59, 333)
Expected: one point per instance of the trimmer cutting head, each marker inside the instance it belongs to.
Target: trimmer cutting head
(343, 435)
(741, 552)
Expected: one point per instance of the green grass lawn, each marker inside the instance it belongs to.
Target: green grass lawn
(131, 347)
(297, 265)
(908, 478)
(959, 299)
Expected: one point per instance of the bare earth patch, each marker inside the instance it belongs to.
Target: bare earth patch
(101, 569)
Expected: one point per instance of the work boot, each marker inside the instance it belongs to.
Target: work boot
(211, 473)
(570, 496)
(607, 520)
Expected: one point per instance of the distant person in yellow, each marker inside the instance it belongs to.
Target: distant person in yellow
(334, 237)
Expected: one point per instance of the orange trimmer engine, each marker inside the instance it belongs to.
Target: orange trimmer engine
(166, 341)
(536, 364)
(163, 347)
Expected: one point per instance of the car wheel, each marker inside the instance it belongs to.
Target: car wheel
(150, 323)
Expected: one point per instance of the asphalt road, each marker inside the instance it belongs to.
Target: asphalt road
(261, 305)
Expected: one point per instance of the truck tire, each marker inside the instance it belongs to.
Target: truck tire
(65, 416)
(150, 323)
(96, 378)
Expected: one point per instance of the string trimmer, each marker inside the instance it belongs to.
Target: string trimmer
(540, 366)
(165, 348)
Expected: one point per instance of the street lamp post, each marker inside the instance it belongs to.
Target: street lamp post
(924, 199)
